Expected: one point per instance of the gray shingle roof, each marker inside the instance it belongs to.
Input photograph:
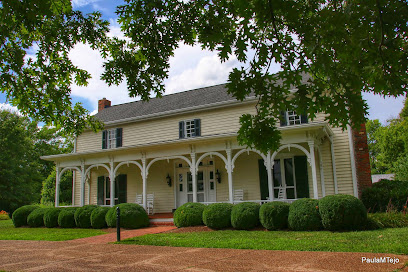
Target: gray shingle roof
(177, 101)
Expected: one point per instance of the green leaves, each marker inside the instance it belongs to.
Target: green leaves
(36, 73)
(346, 47)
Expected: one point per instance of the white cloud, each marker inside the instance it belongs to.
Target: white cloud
(208, 71)
(8, 107)
(81, 3)
(383, 108)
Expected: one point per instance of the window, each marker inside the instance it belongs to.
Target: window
(290, 118)
(112, 138)
(104, 190)
(189, 128)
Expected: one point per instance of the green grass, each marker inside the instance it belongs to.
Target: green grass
(9, 232)
(378, 241)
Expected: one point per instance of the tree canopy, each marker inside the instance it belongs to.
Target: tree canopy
(388, 145)
(21, 169)
(347, 47)
(36, 73)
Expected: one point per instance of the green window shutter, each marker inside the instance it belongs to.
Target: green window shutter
(283, 119)
(303, 119)
(119, 133)
(302, 183)
(197, 127)
(100, 190)
(104, 139)
(122, 181)
(263, 179)
(181, 129)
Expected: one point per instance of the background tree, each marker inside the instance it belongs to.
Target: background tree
(21, 169)
(48, 188)
(346, 46)
(388, 145)
(36, 73)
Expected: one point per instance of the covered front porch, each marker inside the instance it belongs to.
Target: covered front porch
(208, 170)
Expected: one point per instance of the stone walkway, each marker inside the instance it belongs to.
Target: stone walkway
(73, 256)
(124, 234)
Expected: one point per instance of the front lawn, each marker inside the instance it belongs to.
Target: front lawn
(9, 232)
(377, 241)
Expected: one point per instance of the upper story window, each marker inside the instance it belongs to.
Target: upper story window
(112, 138)
(290, 118)
(189, 128)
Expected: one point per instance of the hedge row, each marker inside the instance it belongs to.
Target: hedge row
(335, 212)
(132, 216)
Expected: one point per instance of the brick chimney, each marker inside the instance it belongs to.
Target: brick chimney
(103, 103)
(362, 159)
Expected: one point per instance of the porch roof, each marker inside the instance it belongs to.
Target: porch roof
(322, 127)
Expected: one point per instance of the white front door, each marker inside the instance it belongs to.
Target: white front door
(206, 184)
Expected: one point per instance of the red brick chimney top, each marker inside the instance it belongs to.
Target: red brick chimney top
(103, 103)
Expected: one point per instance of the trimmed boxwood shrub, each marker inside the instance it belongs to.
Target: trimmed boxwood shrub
(274, 215)
(132, 216)
(386, 195)
(66, 218)
(342, 212)
(83, 216)
(218, 215)
(245, 216)
(189, 214)
(36, 218)
(98, 217)
(304, 215)
(51, 217)
(20, 215)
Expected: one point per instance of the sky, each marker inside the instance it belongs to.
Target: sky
(190, 68)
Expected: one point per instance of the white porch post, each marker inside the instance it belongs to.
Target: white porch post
(336, 188)
(268, 165)
(57, 186)
(321, 172)
(313, 166)
(229, 168)
(144, 178)
(73, 187)
(82, 187)
(193, 171)
(112, 183)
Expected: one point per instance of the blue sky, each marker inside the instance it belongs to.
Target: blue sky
(190, 68)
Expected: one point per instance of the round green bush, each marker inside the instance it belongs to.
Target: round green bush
(132, 216)
(51, 217)
(342, 212)
(274, 215)
(217, 215)
(20, 215)
(66, 218)
(36, 218)
(83, 216)
(245, 216)
(304, 215)
(189, 214)
(98, 217)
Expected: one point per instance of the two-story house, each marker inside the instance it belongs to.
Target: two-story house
(182, 147)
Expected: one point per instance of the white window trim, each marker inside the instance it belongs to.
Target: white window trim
(293, 118)
(105, 196)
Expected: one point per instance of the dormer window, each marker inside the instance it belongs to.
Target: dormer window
(290, 118)
(189, 128)
(112, 138)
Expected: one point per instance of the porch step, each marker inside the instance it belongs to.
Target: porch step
(161, 222)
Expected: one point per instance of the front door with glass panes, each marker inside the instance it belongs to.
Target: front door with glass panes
(206, 185)
(284, 178)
